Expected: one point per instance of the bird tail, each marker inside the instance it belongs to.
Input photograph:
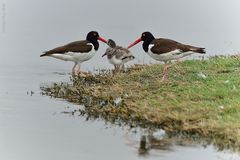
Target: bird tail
(197, 49)
(200, 50)
(131, 57)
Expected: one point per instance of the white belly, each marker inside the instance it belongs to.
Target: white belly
(165, 56)
(184, 54)
(173, 55)
(115, 61)
(74, 56)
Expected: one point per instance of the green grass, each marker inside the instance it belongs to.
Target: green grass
(184, 103)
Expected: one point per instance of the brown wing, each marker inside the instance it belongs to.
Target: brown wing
(120, 52)
(77, 46)
(162, 45)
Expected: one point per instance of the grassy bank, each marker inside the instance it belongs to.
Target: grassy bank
(198, 98)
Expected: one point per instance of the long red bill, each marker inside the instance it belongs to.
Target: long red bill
(102, 39)
(134, 43)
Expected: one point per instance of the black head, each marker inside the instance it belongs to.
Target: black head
(147, 36)
(93, 37)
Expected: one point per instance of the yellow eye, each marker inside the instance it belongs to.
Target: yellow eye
(143, 35)
(95, 34)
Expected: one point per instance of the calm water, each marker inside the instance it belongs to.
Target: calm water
(33, 126)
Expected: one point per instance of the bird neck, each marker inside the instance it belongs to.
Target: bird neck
(147, 40)
(146, 44)
(95, 44)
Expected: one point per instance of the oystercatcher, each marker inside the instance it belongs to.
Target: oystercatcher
(117, 55)
(78, 51)
(165, 50)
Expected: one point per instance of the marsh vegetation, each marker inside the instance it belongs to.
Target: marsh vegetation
(199, 98)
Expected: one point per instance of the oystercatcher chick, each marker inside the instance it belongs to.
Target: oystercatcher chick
(117, 55)
(165, 50)
(78, 51)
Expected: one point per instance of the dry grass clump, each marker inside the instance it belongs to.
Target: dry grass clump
(198, 98)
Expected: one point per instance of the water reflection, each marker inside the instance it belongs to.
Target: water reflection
(149, 142)
(30, 129)
(158, 143)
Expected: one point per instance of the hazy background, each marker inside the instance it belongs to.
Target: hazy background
(35, 26)
(33, 127)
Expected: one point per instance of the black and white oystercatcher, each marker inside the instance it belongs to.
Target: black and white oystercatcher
(78, 51)
(117, 55)
(165, 50)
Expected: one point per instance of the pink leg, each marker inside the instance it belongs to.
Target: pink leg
(166, 67)
(73, 69)
(178, 61)
(165, 71)
(78, 70)
(81, 72)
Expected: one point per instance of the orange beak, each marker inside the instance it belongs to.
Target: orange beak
(134, 43)
(102, 39)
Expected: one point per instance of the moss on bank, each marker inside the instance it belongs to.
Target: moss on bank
(198, 98)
